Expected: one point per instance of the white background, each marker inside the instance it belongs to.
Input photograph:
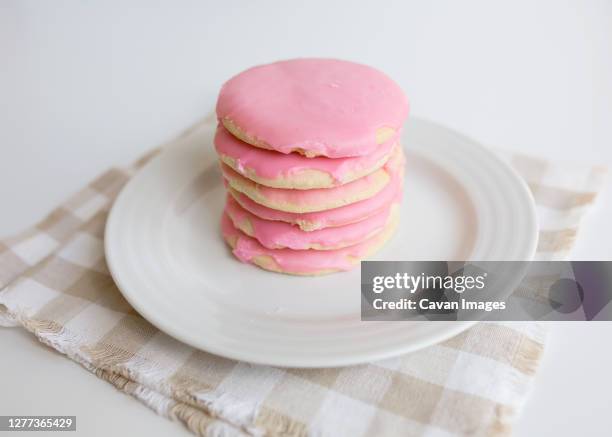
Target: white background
(88, 85)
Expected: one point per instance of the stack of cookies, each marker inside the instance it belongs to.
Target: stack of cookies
(310, 155)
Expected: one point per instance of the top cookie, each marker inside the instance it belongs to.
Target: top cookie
(316, 107)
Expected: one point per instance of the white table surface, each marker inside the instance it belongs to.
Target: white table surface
(88, 85)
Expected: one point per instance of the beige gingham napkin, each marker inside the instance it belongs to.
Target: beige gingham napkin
(54, 282)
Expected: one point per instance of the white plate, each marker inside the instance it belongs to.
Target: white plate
(166, 254)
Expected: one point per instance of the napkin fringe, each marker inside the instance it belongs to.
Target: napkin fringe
(6, 319)
(279, 424)
(200, 422)
(528, 358)
(531, 348)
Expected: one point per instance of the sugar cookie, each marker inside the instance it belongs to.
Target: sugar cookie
(302, 262)
(320, 199)
(293, 170)
(317, 107)
(280, 235)
(333, 217)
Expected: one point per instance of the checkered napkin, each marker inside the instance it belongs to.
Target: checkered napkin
(54, 282)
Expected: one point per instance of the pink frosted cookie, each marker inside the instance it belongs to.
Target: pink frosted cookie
(344, 215)
(316, 107)
(319, 199)
(293, 170)
(302, 262)
(280, 235)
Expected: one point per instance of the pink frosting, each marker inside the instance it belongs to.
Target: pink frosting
(332, 217)
(275, 234)
(272, 165)
(324, 106)
(296, 261)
